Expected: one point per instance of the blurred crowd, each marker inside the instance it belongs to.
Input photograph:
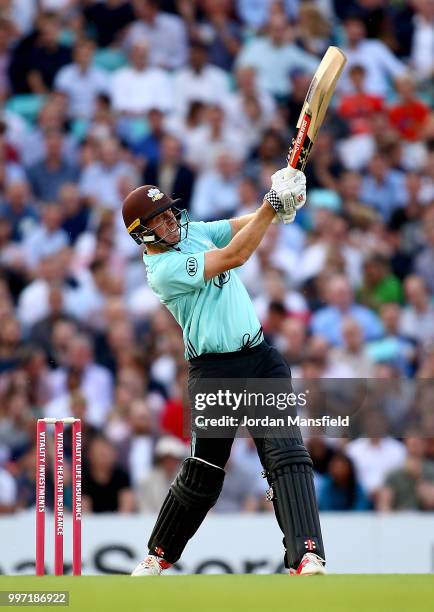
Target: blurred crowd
(201, 97)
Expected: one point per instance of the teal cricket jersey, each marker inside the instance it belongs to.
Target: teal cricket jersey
(217, 315)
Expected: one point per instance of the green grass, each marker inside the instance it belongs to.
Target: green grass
(238, 593)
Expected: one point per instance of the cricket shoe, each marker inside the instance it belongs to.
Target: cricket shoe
(310, 565)
(151, 566)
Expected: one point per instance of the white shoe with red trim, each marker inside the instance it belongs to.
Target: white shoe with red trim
(151, 566)
(310, 565)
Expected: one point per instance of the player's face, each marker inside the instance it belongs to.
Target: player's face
(165, 226)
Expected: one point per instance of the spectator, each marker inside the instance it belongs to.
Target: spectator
(394, 347)
(250, 108)
(216, 191)
(327, 321)
(376, 455)
(358, 106)
(409, 115)
(199, 81)
(222, 33)
(205, 143)
(422, 40)
(106, 487)
(424, 262)
(241, 489)
(417, 318)
(340, 490)
(410, 487)
(378, 61)
(107, 20)
(165, 33)
(313, 28)
(17, 206)
(48, 238)
(136, 450)
(6, 36)
(292, 340)
(151, 492)
(138, 87)
(317, 354)
(353, 353)
(48, 175)
(274, 56)
(382, 187)
(148, 147)
(95, 381)
(170, 173)
(8, 492)
(40, 332)
(75, 215)
(33, 302)
(38, 57)
(100, 180)
(52, 117)
(81, 82)
(175, 414)
(379, 286)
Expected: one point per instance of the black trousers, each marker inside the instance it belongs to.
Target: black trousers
(262, 361)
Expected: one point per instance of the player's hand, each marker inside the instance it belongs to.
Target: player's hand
(290, 188)
(287, 194)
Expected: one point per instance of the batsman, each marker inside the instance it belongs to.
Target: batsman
(191, 268)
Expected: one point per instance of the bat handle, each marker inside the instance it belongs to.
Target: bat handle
(292, 171)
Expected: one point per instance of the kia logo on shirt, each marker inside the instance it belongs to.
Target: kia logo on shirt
(191, 266)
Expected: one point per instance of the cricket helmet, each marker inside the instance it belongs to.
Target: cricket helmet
(145, 203)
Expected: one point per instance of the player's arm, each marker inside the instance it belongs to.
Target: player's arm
(237, 223)
(242, 245)
(287, 195)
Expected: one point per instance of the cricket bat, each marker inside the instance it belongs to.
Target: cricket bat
(315, 106)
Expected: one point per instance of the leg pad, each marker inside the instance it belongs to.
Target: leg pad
(193, 493)
(289, 472)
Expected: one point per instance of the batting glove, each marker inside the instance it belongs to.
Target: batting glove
(287, 194)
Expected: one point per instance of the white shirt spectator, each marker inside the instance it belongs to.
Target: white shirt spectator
(235, 108)
(81, 88)
(422, 48)
(210, 85)
(214, 196)
(23, 14)
(33, 303)
(101, 182)
(201, 150)
(274, 63)
(379, 63)
(314, 258)
(375, 459)
(140, 458)
(142, 302)
(418, 325)
(167, 40)
(40, 243)
(8, 489)
(96, 386)
(137, 91)
(86, 301)
(293, 301)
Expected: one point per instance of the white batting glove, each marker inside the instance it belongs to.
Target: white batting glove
(287, 194)
(290, 187)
